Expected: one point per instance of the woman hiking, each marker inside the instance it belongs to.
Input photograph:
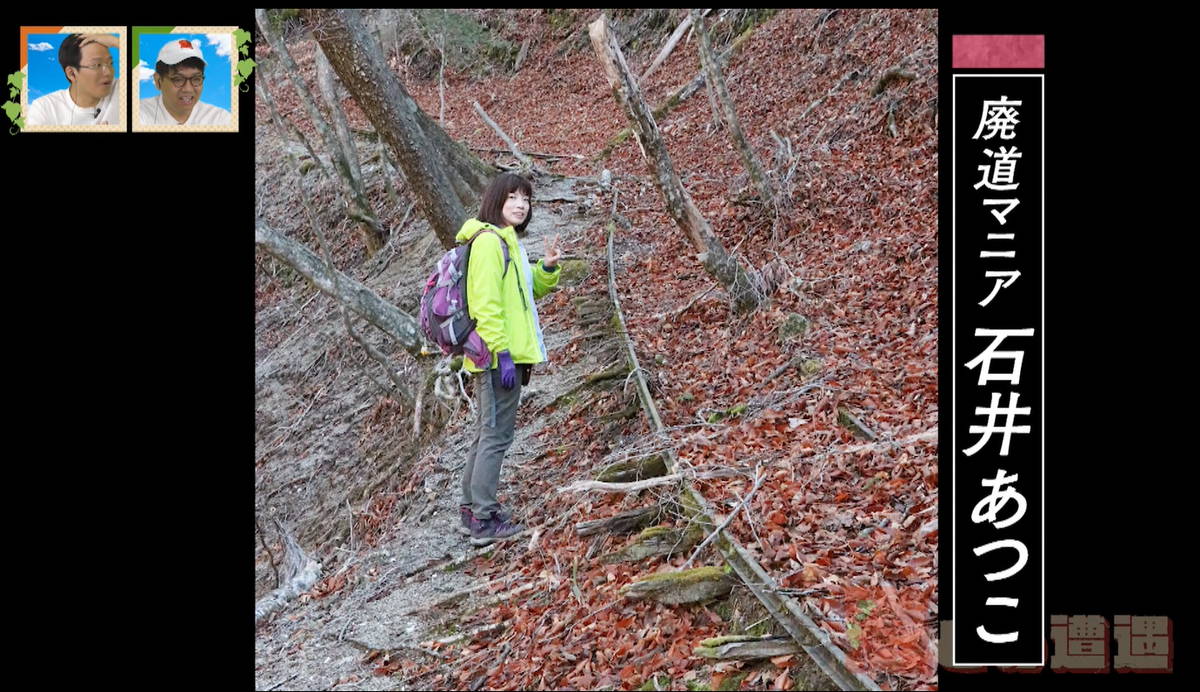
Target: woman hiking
(501, 289)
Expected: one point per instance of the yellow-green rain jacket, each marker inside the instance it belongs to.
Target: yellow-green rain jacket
(502, 303)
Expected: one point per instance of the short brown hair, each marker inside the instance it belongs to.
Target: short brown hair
(491, 209)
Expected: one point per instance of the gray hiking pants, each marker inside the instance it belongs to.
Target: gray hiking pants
(497, 408)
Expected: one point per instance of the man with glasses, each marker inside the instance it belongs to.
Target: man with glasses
(179, 77)
(88, 65)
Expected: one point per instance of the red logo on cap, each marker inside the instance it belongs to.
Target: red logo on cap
(184, 43)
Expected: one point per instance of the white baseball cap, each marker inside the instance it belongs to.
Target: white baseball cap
(177, 50)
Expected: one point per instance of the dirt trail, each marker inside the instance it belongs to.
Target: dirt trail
(417, 553)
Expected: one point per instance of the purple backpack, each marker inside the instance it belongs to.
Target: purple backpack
(445, 319)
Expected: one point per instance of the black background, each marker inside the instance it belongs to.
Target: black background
(130, 332)
(132, 314)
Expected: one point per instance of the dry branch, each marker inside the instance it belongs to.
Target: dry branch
(492, 150)
(745, 648)
(300, 573)
(264, 92)
(666, 51)
(680, 95)
(743, 286)
(578, 486)
(890, 76)
(758, 479)
(526, 162)
(353, 294)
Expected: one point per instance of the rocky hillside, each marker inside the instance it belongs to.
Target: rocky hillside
(812, 420)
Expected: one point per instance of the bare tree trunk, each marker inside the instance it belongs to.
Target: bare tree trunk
(444, 176)
(744, 286)
(442, 72)
(521, 55)
(386, 167)
(353, 294)
(717, 81)
(357, 206)
(262, 84)
(341, 128)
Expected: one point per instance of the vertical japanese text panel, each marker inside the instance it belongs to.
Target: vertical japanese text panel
(997, 352)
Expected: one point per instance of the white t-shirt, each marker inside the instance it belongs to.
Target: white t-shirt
(57, 108)
(154, 113)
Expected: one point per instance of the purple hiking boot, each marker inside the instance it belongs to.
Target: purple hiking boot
(467, 517)
(491, 530)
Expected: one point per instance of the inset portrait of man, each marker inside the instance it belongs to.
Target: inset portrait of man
(179, 76)
(91, 70)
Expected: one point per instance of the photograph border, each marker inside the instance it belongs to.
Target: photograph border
(122, 62)
(135, 104)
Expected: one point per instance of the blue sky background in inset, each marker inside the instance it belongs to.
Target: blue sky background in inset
(45, 74)
(218, 69)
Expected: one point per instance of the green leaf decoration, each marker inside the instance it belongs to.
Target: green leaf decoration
(12, 110)
(246, 67)
(16, 79)
(20, 123)
(240, 36)
(14, 92)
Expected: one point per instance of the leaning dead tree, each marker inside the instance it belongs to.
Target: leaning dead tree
(446, 179)
(716, 80)
(358, 207)
(351, 293)
(744, 286)
(328, 89)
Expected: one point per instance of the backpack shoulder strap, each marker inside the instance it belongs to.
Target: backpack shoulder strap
(503, 246)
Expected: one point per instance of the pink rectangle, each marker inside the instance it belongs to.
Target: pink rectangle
(1000, 51)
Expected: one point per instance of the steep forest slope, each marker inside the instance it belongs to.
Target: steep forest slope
(822, 404)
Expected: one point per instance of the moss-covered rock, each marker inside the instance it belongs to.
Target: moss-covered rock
(572, 271)
(690, 586)
(733, 681)
(731, 412)
(794, 326)
(691, 510)
(652, 542)
(810, 367)
(663, 680)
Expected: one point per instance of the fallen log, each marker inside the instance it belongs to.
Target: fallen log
(674, 588)
(629, 471)
(747, 647)
(655, 541)
(625, 522)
